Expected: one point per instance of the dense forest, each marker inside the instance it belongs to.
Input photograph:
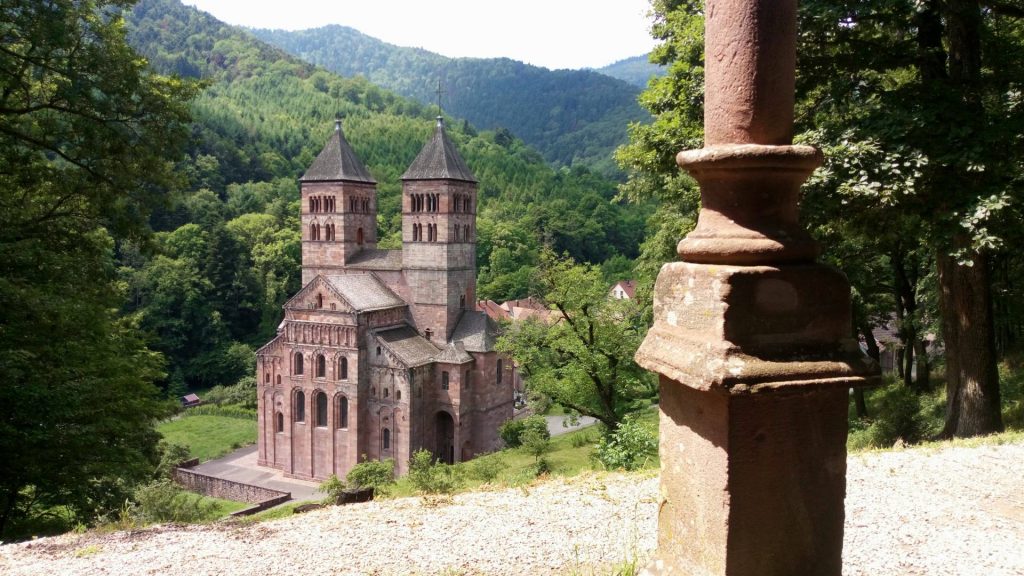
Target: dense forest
(573, 117)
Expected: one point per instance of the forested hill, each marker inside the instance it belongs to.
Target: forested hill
(228, 253)
(574, 117)
(636, 70)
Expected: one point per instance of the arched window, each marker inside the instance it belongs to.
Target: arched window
(321, 409)
(299, 407)
(343, 369)
(378, 350)
(359, 236)
(343, 412)
(297, 364)
(398, 394)
(321, 366)
(444, 380)
(319, 300)
(415, 232)
(499, 372)
(266, 378)
(386, 439)
(387, 392)
(278, 379)
(280, 422)
(456, 233)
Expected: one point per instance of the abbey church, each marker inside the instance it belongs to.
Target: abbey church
(382, 353)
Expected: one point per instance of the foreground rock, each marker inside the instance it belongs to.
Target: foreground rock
(957, 511)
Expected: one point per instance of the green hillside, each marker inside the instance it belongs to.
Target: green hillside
(573, 117)
(636, 70)
(227, 254)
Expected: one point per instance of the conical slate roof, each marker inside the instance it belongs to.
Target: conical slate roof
(439, 160)
(337, 161)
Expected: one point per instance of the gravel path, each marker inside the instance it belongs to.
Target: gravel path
(957, 512)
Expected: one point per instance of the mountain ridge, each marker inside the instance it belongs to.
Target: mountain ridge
(573, 117)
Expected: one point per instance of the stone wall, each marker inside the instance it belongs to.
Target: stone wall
(228, 489)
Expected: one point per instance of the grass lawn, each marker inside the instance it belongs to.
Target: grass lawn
(570, 455)
(209, 436)
(224, 507)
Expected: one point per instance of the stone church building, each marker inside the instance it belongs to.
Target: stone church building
(382, 352)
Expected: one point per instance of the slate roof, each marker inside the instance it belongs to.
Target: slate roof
(374, 259)
(337, 161)
(411, 348)
(364, 292)
(454, 353)
(439, 160)
(476, 331)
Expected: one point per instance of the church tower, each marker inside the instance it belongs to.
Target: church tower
(439, 199)
(339, 209)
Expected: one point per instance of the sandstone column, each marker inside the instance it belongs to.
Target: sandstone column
(752, 338)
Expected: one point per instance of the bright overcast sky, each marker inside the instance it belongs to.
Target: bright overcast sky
(550, 33)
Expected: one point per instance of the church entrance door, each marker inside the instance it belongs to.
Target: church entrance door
(445, 426)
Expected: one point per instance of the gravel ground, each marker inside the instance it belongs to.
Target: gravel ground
(956, 511)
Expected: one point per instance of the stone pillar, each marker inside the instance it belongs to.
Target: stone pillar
(752, 338)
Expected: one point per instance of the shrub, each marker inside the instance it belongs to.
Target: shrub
(512, 430)
(333, 488)
(899, 414)
(487, 468)
(164, 501)
(430, 477)
(171, 455)
(241, 394)
(226, 411)
(629, 447)
(376, 474)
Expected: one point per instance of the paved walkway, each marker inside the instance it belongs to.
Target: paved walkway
(557, 424)
(240, 466)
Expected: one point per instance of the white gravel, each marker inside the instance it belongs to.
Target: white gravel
(957, 511)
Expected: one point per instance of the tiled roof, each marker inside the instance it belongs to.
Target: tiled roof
(454, 353)
(492, 309)
(337, 161)
(627, 286)
(411, 348)
(476, 331)
(439, 160)
(364, 291)
(373, 259)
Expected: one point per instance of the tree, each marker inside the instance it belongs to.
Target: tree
(88, 138)
(583, 356)
(935, 79)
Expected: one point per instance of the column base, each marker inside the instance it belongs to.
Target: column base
(755, 484)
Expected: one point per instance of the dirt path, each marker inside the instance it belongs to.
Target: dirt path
(956, 512)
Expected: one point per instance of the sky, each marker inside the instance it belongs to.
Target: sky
(551, 33)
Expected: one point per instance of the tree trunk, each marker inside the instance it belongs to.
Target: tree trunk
(972, 380)
(859, 403)
(923, 380)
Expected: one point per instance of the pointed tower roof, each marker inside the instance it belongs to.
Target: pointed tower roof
(439, 160)
(337, 161)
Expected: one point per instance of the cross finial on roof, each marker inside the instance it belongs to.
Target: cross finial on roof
(439, 91)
